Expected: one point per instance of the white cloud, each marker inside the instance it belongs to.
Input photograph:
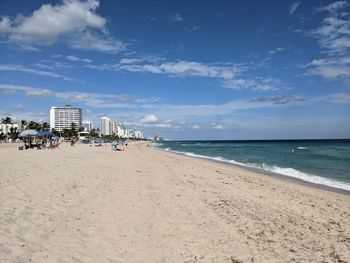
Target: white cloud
(163, 125)
(341, 98)
(18, 107)
(239, 84)
(41, 65)
(95, 100)
(91, 41)
(330, 68)
(334, 7)
(176, 18)
(75, 58)
(182, 69)
(31, 48)
(5, 25)
(293, 7)
(73, 96)
(279, 99)
(333, 36)
(217, 126)
(195, 126)
(149, 119)
(276, 50)
(71, 20)
(28, 91)
(259, 84)
(20, 68)
(47, 24)
(129, 60)
(334, 32)
(227, 73)
(39, 93)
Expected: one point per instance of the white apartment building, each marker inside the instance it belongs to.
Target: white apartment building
(63, 117)
(6, 128)
(138, 134)
(88, 126)
(126, 132)
(119, 131)
(135, 134)
(106, 126)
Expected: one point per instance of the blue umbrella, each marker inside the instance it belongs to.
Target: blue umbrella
(28, 133)
(46, 133)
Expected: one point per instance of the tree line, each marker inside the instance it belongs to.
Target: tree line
(13, 132)
(67, 133)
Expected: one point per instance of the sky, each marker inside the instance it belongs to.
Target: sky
(182, 69)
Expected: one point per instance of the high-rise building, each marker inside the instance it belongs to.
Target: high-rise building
(138, 134)
(88, 126)
(63, 117)
(106, 126)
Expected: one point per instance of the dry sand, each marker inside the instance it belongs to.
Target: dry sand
(89, 204)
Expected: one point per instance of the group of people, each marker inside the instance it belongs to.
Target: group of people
(39, 143)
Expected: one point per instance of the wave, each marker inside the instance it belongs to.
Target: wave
(196, 144)
(290, 172)
(301, 148)
(157, 144)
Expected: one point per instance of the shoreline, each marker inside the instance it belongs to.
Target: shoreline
(266, 173)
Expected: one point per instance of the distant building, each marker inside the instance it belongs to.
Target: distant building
(135, 134)
(119, 131)
(158, 138)
(139, 135)
(132, 134)
(126, 132)
(6, 128)
(106, 126)
(88, 126)
(63, 117)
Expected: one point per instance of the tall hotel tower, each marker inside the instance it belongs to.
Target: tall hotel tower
(106, 126)
(63, 117)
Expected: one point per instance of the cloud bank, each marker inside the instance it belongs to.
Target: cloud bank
(73, 21)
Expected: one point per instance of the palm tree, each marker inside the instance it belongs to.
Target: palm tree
(34, 125)
(24, 124)
(13, 133)
(66, 133)
(73, 129)
(93, 133)
(6, 121)
(45, 126)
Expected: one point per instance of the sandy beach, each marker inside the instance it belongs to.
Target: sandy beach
(90, 204)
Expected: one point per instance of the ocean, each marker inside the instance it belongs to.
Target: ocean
(324, 162)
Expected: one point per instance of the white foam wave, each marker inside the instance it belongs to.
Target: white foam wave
(301, 148)
(196, 144)
(291, 172)
(157, 144)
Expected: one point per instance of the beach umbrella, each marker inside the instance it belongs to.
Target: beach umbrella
(46, 133)
(28, 133)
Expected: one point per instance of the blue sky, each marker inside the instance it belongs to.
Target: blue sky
(182, 69)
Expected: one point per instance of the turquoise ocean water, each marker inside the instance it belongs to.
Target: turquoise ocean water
(325, 162)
